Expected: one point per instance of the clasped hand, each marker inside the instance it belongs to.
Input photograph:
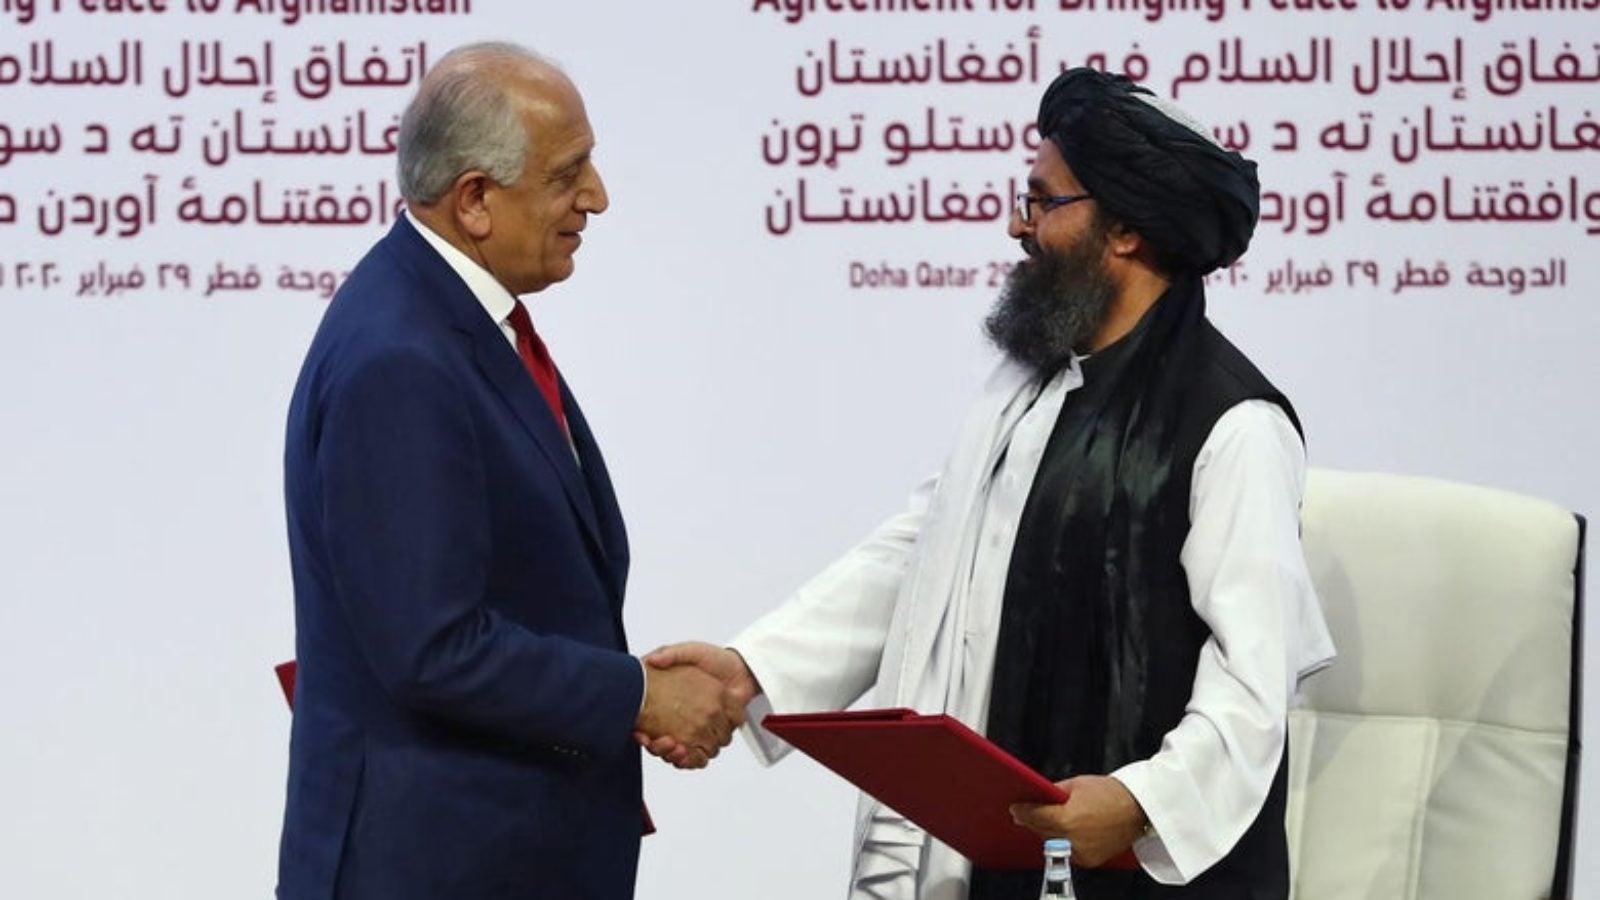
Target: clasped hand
(1101, 817)
(695, 696)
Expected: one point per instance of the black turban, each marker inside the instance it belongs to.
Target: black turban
(1151, 169)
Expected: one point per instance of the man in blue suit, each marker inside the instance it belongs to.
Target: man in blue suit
(465, 704)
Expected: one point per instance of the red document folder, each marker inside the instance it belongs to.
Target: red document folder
(286, 672)
(936, 772)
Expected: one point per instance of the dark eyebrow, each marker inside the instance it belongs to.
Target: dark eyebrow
(1036, 185)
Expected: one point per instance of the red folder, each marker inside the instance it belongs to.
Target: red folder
(286, 672)
(938, 773)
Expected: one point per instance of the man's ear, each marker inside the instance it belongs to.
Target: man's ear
(468, 206)
(1121, 242)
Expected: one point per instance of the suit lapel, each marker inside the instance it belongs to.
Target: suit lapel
(505, 373)
(502, 369)
(604, 498)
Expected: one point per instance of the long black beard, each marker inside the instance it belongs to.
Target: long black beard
(1052, 303)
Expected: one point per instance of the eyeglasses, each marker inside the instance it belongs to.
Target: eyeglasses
(1026, 202)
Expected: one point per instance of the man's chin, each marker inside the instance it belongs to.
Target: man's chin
(560, 270)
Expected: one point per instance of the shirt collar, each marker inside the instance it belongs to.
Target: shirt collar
(490, 293)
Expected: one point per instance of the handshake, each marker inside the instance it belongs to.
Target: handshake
(695, 695)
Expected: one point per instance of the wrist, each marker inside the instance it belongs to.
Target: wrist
(748, 681)
(1138, 818)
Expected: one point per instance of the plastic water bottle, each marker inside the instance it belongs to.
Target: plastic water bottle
(1057, 871)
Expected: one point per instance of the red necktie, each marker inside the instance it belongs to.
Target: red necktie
(537, 361)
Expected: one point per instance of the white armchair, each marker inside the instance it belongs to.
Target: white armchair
(1437, 759)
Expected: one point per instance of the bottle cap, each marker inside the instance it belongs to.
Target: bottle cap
(1058, 845)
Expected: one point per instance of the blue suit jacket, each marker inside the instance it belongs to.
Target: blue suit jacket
(464, 702)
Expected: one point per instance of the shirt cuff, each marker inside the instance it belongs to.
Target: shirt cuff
(1150, 849)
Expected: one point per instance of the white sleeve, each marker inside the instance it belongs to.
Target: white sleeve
(1248, 581)
(820, 650)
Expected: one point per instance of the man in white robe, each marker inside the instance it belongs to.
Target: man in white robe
(915, 610)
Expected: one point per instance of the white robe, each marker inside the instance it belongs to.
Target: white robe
(915, 609)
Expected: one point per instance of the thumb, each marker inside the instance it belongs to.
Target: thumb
(1028, 815)
(663, 657)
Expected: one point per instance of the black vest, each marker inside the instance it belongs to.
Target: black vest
(1099, 641)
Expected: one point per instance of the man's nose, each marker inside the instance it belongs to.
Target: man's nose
(592, 197)
(1016, 228)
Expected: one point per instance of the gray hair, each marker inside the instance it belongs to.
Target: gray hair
(464, 117)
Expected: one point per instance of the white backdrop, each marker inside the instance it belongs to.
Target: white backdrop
(759, 412)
